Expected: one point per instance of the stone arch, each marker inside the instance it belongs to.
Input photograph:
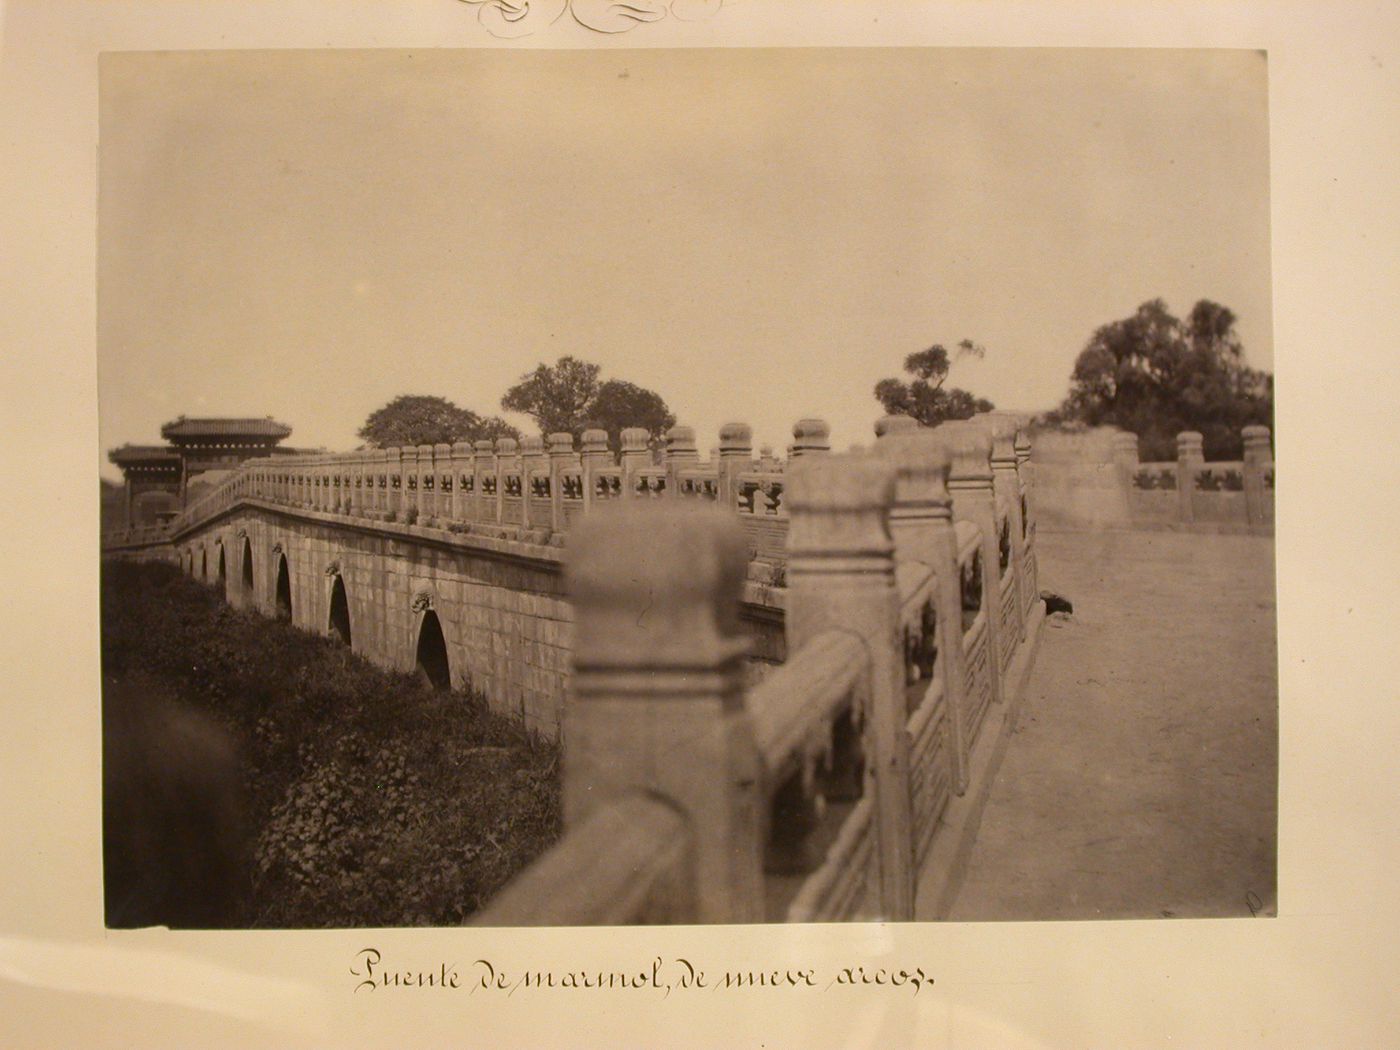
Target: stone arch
(223, 571)
(430, 658)
(282, 593)
(339, 620)
(204, 564)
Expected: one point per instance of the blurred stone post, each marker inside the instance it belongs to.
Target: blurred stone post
(594, 455)
(636, 454)
(887, 425)
(1258, 459)
(735, 457)
(681, 454)
(809, 437)
(1190, 461)
(656, 696)
(841, 578)
(921, 523)
(1125, 457)
(970, 484)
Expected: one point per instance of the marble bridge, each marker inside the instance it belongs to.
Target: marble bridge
(777, 681)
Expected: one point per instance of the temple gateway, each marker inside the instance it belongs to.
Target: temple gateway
(161, 479)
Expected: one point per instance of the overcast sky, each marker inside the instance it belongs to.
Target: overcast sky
(758, 235)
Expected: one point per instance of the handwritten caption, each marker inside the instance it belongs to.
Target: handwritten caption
(658, 976)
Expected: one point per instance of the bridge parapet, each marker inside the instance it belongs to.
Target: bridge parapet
(816, 793)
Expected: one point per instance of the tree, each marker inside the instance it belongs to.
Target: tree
(924, 398)
(556, 396)
(1156, 375)
(414, 419)
(567, 397)
(620, 404)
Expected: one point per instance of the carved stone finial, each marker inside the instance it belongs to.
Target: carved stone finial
(595, 442)
(680, 443)
(1258, 443)
(635, 440)
(969, 450)
(484, 446)
(736, 439)
(506, 446)
(895, 424)
(1190, 445)
(921, 463)
(837, 508)
(675, 610)
(1001, 428)
(532, 445)
(810, 436)
(561, 444)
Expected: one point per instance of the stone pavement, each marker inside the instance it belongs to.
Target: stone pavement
(1140, 776)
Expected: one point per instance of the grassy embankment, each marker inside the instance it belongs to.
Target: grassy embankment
(369, 799)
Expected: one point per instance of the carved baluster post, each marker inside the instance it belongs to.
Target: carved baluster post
(1190, 461)
(313, 470)
(594, 454)
(531, 460)
(459, 467)
(355, 479)
(921, 524)
(1125, 457)
(423, 472)
(1007, 492)
(561, 451)
(735, 457)
(636, 454)
(974, 500)
(1025, 474)
(442, 484)
(656, 695)
(507, 461)
(810, 437)
(841, 577)
(382, 498)
(681, 454)
(484, 505)
(1258, 458)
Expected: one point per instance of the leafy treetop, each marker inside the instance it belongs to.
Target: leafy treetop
(567, 397)
(414, 419)
(924, 397)
(1156, 375)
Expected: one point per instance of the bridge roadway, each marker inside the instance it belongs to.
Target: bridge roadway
(1138, 773)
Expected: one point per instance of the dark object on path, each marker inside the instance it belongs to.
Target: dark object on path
(1056, 603)
(174, 844)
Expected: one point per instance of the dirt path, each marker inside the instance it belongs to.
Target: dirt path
(1141, 778)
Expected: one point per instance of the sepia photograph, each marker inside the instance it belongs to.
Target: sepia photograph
(691, 523)
(614, 487)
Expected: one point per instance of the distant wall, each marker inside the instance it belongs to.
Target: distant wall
(1077, 483)
(1093, 479)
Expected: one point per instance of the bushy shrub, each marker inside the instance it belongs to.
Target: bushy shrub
(373, 801)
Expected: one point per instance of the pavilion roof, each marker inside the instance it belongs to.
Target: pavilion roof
(228, 427)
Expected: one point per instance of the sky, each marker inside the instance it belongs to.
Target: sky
(758, 235)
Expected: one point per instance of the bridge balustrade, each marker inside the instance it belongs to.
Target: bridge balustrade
(815, 794)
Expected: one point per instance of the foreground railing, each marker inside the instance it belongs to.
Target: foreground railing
(817, 794)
